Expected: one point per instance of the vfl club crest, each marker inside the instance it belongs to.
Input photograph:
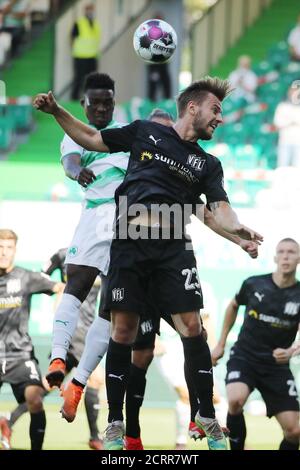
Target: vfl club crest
(13, 286)
(118, 294)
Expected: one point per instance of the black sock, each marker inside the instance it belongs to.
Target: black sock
(238, 432)
(134, 400)
(37, 429)
(288, 445)
(199, 368)
(91, 403)
(17, 413)
(118, 362)
(194, 403)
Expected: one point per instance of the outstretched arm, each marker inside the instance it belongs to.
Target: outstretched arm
(229, 321)
(250, 247)
(81, 133)
(227, 219)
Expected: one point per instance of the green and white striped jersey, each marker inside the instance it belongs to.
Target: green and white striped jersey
(109, 168)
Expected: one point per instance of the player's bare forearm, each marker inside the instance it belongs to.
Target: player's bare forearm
(81, 133)
(229, 321)
(248, 246)
(228, 220)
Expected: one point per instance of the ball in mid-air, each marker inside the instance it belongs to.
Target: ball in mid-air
(155, 41)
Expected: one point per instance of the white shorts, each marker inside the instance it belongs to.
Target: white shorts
(171, 363)
(92, 239)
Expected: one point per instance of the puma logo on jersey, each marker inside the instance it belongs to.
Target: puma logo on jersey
(259, 296)
(154, 140)
(113, 376)
(205, 371)
(65, 323)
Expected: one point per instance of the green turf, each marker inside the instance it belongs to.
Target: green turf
(158, 431)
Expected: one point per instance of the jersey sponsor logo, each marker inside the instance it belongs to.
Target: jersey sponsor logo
(233, 375)
(146, 156)
(253, 313)
(13, 286)
(291, 308)
(196, 162)
(117, 294)
(154, 140)
(73, 251)
(178, 167)
(146, 327)
(274, 321)
(259, 296)
(10, 302)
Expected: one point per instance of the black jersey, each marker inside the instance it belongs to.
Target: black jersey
(16, 290)
(87, 309)
(163, 168)
(272, 317)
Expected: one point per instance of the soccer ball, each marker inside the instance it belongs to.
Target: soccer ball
(155, 41)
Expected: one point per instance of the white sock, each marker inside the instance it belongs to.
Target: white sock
(182, 421)
(64, 325)
(96, 344)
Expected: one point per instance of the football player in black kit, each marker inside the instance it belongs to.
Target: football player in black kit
(86, 318)
(18, 365)
(260, 357)
(166, 167)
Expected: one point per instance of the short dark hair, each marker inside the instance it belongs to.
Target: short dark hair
(160, 113)
(96, 81)
(290, 240)
(198, 91)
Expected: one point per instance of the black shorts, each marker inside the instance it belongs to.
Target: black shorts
(149, 321)
(167, 264)
(20, 374)
(275, 383)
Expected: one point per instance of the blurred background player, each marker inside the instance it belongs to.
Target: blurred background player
(260, 357)
(244, 81)
(294, 42)
(86, 36)
(88, 255)
(14, 15)
(287, 121)
(19, 367)
(86, 317)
